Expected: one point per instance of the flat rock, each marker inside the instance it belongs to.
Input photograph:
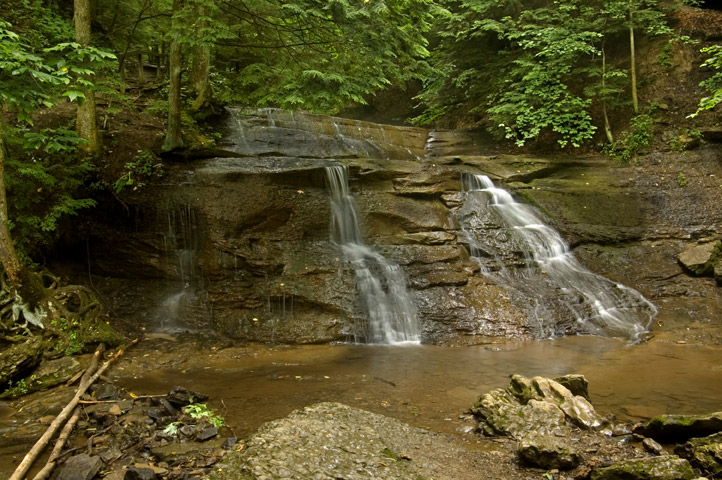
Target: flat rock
(652, 468)
(679, 428)
(701, 259)
(548, 452)
(331, 440)
(182, 396)
(80, 467)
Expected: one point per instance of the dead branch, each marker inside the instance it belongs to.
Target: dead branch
(59, 444)
(88, 379)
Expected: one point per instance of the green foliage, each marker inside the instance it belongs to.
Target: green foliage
(44, 181)
(713, 84)
(74, 344)
(200, 411)
(633, 141)
(16, 389)
(145, 166)
(30, 80)
(172, 428)
(532, 70)
(682, 180)
(313, 54)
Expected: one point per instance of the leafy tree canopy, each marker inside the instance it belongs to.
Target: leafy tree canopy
(533, 68)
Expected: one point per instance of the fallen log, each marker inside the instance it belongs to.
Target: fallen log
(58, 448)
(88, 379)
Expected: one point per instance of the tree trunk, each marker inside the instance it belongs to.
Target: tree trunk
(85, 123)
(199, 77)
(607, 126)
(200, 69)
(632, 59)
(174, 138)
(8, 255)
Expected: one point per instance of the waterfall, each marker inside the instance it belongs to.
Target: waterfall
(598, 305)
(183, 295)
(382, 285)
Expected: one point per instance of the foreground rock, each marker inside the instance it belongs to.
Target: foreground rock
(558, 430)
(703, 259)
(678, 428)
(335, 441)
(655, 468)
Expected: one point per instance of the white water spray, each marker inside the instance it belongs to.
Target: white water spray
(605, 307)
(382, 286)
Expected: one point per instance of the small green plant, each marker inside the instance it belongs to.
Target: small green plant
(665, 56)
(633, 141)
(689, 138)
(682, 179)
(145, 166)
(20, 388)
(199, 411)
(74, 343)
(172, 428)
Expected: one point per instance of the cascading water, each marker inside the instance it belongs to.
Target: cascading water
(597, 305)
(181, 245)
(382, 286)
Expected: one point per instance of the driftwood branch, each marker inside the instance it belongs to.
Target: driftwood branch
(88, 379)
(59, 444)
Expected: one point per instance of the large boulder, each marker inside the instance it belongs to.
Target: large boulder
(539, 405)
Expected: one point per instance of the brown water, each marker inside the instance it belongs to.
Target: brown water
(431, 386)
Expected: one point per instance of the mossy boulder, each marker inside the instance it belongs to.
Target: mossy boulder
(538, 404)
(703, 453)
(651, 468)
(679, 428)
(49, 374)
(18, 359)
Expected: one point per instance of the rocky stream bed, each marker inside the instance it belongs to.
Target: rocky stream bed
(534, 428)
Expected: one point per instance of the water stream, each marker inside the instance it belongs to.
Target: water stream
(431, 386)
(382, 284)
(598, 305)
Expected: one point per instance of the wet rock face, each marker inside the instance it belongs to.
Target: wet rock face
(241, 244)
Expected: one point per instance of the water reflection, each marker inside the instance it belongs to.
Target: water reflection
(431, 386)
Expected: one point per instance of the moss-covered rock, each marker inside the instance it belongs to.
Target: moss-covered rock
(704, 453)
(652, 468)
(548, 452)
(18, 359)
(679, 428)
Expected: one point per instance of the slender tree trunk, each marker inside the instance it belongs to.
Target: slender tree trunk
(8, 255)
(633, 60)
(607, 126)
(174, 138)
(85, 123)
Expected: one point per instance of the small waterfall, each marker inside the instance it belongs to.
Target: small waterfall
(598, 305)
(182, 298)
(382, 285)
